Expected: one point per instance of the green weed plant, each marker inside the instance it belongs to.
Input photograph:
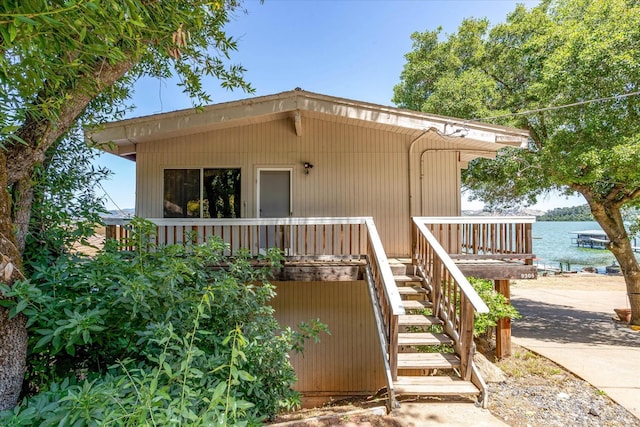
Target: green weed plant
(177, 335)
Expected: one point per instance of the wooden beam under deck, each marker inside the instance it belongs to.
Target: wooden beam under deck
(322, 269)
(493, 269)
(321, 273)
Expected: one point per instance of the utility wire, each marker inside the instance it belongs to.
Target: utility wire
(112, 201)
(559, 107)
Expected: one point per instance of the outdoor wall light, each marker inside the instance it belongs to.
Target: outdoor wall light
(307, 166)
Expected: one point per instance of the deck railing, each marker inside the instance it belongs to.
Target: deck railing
(454, 299)
(339, 237)
(300, 238)
(484, 237)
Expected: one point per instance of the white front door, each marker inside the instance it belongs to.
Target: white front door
(274, 193)
(274, 201)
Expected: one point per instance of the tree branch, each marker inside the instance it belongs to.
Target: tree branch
(40, 133)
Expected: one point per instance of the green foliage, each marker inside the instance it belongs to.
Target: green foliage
(175, 335)
(565, 70)
(557, 53)
(573, 213)
(67, 65)
(52, 48)
(65, 208)
(498, 305)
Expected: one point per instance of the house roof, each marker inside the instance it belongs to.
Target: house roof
(480, 139)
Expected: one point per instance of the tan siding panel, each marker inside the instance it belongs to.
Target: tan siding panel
(440, 182)
(348, 360)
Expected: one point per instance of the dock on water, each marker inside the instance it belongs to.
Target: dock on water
(596, 239)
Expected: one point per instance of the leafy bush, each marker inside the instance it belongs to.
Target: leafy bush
(66, 208)
(175, 335)
(498, 305)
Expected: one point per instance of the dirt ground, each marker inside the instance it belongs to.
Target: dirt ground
(582, 281)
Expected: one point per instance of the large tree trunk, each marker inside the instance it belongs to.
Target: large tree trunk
(13, 332)
(609, 216)
(22, 193)
(16, 167)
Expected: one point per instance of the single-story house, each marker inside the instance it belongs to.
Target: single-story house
(342, 187)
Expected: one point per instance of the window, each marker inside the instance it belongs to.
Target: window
(221, 193)
(202, 193)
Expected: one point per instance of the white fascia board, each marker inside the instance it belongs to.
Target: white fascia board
(446, 126)
(190, 121)
(161, 125)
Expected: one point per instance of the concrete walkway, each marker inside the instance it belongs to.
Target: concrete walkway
(574, 328)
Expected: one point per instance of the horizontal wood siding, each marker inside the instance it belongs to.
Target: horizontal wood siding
(358, 171)
(346, 362)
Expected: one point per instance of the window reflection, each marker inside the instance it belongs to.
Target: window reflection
(186, 197)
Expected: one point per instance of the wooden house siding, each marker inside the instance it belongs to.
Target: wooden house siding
(436, 199)
(358, 171)
(348, 361)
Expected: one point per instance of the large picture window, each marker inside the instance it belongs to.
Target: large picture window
(202, 193)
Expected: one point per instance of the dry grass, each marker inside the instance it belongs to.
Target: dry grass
(526, 363)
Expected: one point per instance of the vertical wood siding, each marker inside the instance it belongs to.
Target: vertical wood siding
(437, 185)
(346, 362)
(358, 171)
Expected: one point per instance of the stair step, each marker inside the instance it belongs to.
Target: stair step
(401, 266)
(416, 304)
(400, 269)
(428, 361)
(434, 386)
(423, 338)
(418, 320)
(403, 278)
(411, 290)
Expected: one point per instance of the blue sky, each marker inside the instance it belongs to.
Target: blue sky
(348, 48)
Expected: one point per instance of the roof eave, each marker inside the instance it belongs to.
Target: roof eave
(126, 133)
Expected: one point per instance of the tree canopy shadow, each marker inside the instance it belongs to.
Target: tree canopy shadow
(559, 323)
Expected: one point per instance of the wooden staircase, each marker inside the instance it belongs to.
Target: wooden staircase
(427, 362)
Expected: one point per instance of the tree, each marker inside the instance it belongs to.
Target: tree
(567, 71)
(73, 63)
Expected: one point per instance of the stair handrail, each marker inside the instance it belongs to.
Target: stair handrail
(454, 300)
(388, 301)
(475, 300)
(382, 263)
(392, 402)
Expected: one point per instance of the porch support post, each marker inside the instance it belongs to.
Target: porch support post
(110, 231)
(503, 328)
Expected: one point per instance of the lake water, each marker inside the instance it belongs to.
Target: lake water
(552, 245)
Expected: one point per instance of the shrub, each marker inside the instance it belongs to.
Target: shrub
(175, 335)
(498, 305)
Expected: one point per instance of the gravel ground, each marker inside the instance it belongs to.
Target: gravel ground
(538, 392)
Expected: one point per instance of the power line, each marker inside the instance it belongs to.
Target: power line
(559, 107)
(106, 193)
